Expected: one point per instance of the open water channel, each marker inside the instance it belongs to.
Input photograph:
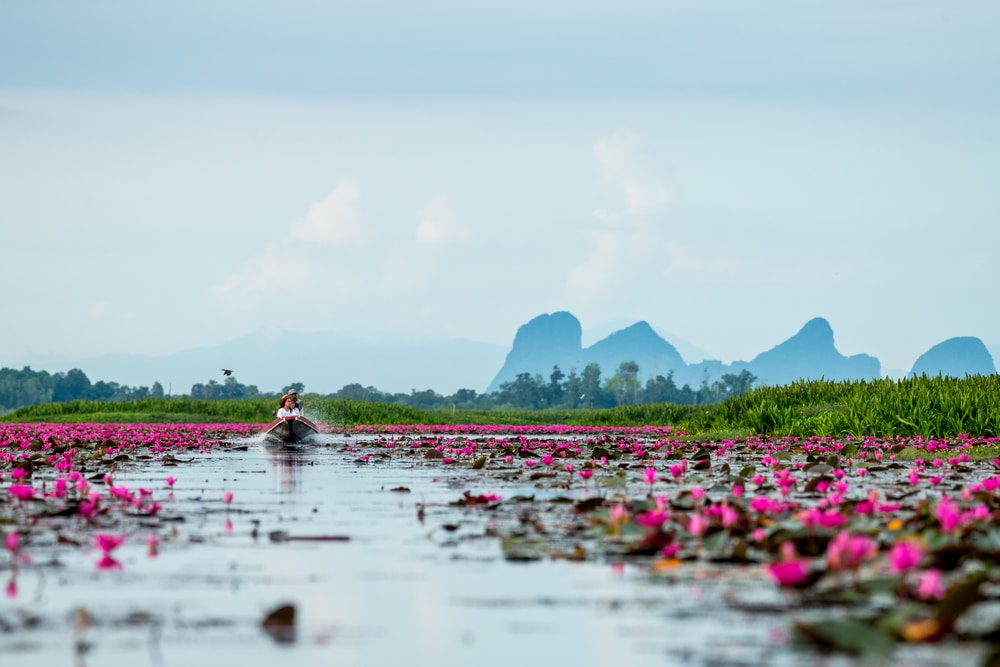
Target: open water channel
(375, 581)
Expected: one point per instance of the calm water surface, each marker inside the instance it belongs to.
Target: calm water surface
(398, 591)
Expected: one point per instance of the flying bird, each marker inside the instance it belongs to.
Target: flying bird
(226, 372)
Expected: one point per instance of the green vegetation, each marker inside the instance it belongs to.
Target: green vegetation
(921, 406)
(20, 388)
(924, 406)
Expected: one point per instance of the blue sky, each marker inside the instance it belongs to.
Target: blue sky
(178, 174)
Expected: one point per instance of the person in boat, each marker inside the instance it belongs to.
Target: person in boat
(289, 407)
(294, 395)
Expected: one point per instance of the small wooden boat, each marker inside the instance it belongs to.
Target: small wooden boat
(290, 429)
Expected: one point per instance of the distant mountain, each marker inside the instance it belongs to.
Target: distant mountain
(638, 343)
(323, 362)
(809, 354)
(955, 357)
(691, 353)
(554, 340)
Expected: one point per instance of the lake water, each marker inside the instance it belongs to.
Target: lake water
(401, 589)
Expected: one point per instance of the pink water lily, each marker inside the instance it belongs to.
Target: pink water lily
(21, 491)
(930, 586)
(790, 570)
(905, 556)
(107, 543)
(848, 552)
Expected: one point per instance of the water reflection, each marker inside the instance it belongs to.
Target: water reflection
(289, 460)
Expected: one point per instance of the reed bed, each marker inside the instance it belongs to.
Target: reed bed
(923, 406)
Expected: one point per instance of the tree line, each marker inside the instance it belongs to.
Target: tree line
(19, 388)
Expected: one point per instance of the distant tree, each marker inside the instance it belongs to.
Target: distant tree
(464, 399)
(661, 390)
(572, 392)
(72, 386)
(297, 387)
(525, 392)
(591, 395)
(624, 385)
(103, 391)
(156, 391)
(736, 385)
(425, 400)
(555, 390)
(356, 392)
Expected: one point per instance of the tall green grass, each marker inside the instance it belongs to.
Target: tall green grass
(921, 406)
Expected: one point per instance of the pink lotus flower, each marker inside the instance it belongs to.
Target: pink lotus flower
(697, 524)
(108, 543)
(171, 481)
(586, 474)
(649, 475)
(930, 586)
(227, 497)
(947, 513)
(618, 513)
(905, 556)
(848, 552)
(21, 491)
(729, 516)
(653, 518)
(790, 570)
(13, 542)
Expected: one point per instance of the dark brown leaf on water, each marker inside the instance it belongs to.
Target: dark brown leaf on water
(400, 489)
(319, 538)
(280, 623)
(589, 504)
(469, 499)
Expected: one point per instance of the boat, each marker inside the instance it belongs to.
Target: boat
(295, 428)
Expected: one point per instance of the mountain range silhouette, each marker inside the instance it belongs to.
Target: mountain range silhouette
(555, 340)
(326, 361)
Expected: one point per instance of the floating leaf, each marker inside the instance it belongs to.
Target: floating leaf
(280, 623)
(850, 635)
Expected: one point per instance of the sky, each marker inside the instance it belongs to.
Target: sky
(175, 175)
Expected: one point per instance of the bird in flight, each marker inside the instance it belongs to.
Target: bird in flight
(226, 372)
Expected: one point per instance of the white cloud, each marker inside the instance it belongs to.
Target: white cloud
(271, 272)
(440, 223)
(625, 248)
(597, 273)
(620, 169)
(335, 220)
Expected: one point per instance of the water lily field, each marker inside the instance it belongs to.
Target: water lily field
(190, 544)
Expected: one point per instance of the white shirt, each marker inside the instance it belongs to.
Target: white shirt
(294, 412)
